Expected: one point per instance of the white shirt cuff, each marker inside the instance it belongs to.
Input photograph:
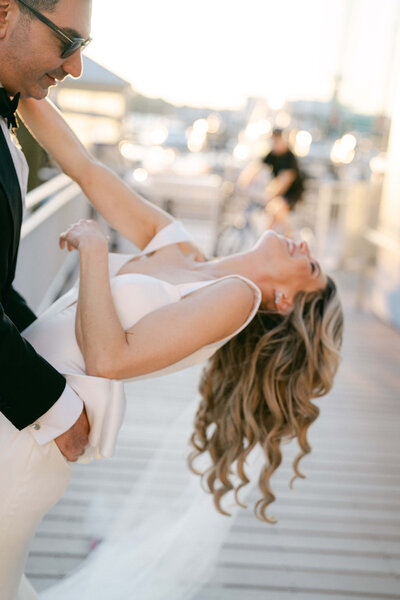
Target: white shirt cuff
(59, 418)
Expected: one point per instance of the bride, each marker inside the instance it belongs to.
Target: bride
(268, 321)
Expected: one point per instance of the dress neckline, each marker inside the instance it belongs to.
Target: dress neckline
(188, 287)
(173, 233)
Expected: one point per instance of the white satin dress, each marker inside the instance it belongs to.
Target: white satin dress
(135, 295)
(53, 336)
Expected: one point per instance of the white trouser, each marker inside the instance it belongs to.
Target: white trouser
(32, 479)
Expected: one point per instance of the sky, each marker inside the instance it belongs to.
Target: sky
(216, 53)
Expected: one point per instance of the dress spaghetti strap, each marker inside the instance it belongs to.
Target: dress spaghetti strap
(173, 233)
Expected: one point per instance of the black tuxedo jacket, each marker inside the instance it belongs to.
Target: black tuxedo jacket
(29, 385)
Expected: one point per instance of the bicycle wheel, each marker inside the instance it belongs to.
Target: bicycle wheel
(233, 239)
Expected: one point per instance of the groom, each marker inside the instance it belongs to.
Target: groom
(40, 43)
(32, 57)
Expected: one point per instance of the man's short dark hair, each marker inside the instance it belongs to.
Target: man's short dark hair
(277, 132)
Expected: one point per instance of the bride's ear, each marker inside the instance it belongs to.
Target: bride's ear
(283, 303)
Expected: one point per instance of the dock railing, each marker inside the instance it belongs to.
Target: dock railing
(337, 213)
(43, 269)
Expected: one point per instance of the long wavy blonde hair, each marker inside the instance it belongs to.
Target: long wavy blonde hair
(258, 389)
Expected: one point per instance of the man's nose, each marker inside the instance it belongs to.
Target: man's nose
(72, 65)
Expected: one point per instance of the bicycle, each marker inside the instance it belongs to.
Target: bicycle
(243, 220)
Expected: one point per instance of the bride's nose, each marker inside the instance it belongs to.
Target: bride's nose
(304, 248)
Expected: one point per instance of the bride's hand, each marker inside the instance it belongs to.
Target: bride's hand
(82, 234)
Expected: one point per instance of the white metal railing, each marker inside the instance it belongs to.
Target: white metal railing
(339, 214)
(47, 189)
(381, 239)
(62, 194)
(43, 269)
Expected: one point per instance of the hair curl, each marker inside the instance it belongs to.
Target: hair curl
(257, 389)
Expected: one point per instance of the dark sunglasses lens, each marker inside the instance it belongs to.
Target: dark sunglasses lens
(70, 49)
(73, 47)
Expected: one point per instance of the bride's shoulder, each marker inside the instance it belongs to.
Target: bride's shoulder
(238, 289)
(234, 301)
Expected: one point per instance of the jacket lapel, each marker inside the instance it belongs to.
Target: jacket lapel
(10, 183)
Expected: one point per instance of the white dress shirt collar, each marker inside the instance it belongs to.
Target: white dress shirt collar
(19, 160)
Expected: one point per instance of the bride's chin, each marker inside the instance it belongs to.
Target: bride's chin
(273, 243)
(267, 237)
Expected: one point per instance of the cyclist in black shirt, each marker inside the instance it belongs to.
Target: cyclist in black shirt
(285, 189)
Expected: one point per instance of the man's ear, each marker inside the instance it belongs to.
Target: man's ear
(4, 17)
(283, 304)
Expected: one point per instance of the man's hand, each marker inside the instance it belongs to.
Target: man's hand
(72, 443)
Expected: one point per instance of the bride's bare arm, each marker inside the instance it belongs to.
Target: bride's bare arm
(171, 333)
(130, 214)
(159, 339)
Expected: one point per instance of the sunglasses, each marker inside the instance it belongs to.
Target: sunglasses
(71, 44)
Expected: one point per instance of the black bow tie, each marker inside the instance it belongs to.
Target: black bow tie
(8, 107)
